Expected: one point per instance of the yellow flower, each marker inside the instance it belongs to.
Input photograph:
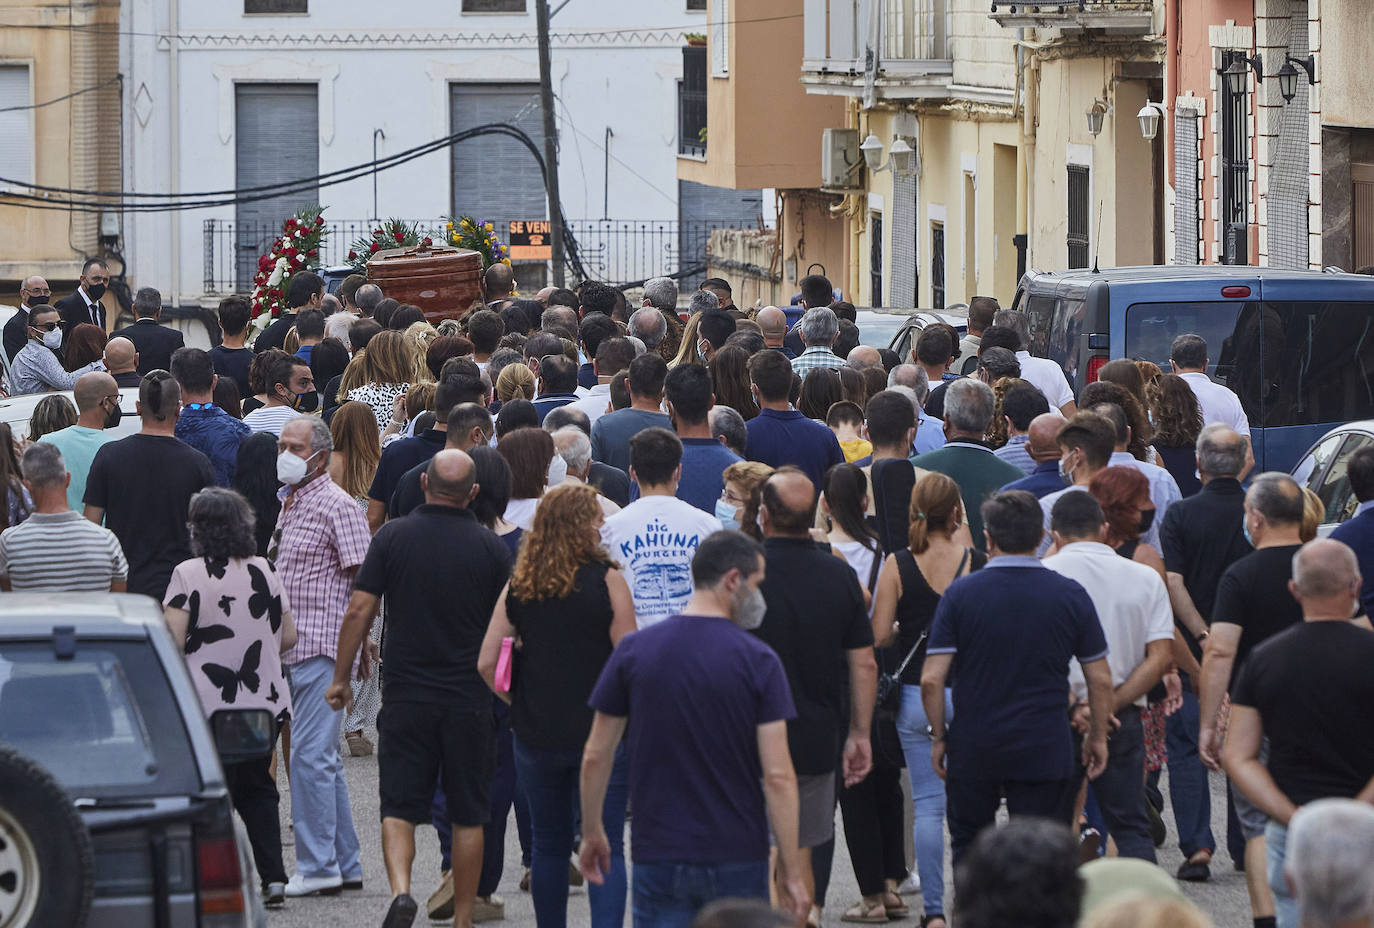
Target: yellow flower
(488, 226)
(506, 261)
(450, 225)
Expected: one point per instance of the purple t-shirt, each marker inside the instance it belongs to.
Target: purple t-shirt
(695, 689)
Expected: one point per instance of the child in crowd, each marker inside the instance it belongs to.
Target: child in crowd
(845, 420)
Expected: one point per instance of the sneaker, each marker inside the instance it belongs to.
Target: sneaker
(525, 881)
(274, 895)
(1196, 869)
(353, 883)
(488, 909)
(359, 746)
(440, 904)
(299, 886)
(1089, 842)
(911, 885)
(402, 912)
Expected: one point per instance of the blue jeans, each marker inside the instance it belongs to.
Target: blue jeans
(1120, 790)
(550, 781)
(927, 797)
(326, 844)
(669, 895)
(1189, 791)
(1276, 853)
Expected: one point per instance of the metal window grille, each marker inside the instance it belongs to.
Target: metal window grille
(1079, 224)
(937, 265)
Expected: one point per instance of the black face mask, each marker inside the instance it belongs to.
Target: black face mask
(96, 291)
(1147, 518)
(38, 299)
(113, 416)
(307, 402)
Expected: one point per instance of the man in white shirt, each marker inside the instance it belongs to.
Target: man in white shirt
(613, 355)
(288, 381)
(1132, 605)
(1042, 373)
(655, 536)
(1188, 358)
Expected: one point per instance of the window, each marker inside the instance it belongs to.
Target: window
(1318, 361)
(691, 102)
(1230, 329)
(1336, 493)
(696, 6)
(1310, 468)
(937, 265)
(16, 126)
(1235, 169)
(720, 38)
(875, 259)
(1079, 225)
(275, 6)
(493, 6)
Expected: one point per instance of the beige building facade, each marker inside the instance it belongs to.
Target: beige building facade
(50, 51)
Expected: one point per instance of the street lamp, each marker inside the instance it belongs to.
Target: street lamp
(900, 159)
(1149, 117)
(1096, 113)
(872, 151)
(1288, 75)
(1234, 75)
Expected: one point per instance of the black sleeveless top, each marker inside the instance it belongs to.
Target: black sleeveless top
(564, 644)
(916, 610)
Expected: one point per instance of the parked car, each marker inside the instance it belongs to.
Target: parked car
(1323, 470)
(334, 276)
(113, 806)
(1297, 347)
(16, 411)
(904, 338)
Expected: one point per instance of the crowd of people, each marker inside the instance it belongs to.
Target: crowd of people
(575, 558)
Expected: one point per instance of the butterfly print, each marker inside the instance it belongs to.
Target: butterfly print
(216, 567)
(229, 680)
(263, 599)
(224, 602)
(272, 694)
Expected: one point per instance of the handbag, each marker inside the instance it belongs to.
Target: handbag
(504, 665)
(889, 698)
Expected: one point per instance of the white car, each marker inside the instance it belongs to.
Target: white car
(1323, 470)
(17, 410)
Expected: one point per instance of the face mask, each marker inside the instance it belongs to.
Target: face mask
(38, 299)
(750, 610)
(728, 515)
(1065, 472)
(307, 402)
(292, 468)
(701, 352)
(1245, 528)
(1147, 518)
(113, 416)
(53, 339)
(558, 470)
(95, 291)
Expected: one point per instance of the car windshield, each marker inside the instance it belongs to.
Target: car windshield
(104, 722)
(877, 329)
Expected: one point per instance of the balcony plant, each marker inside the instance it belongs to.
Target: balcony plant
(296, 249)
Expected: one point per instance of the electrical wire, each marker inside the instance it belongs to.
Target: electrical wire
(75, 93)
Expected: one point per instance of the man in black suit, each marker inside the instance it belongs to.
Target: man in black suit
(32, 292)
(305, 290)
(154, 343)
(84, 305)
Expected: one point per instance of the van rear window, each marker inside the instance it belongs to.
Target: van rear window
(1230, 329)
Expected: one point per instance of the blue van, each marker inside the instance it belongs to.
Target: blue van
(1297, 347)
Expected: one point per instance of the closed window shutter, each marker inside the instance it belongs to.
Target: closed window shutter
(495, 177)
(720, 38)
(16, 130)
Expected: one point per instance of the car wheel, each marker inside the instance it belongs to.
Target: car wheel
(46, 869)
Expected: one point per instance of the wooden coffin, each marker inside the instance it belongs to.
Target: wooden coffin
(443, 281)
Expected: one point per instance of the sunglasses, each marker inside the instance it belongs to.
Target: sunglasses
(48, 326)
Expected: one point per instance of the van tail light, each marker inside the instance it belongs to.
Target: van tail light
(1095, 364)
(219, 881)
(1235, 293)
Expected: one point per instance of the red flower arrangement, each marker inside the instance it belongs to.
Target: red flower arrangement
(296, 249)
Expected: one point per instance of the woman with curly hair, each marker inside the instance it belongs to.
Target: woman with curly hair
(738, 506)
(1178, 423)
(51, 414)
(225, 588)
(997, 429)
(730, 381)
(568, 605)
(1149, 372)
(85, 343)
(1125, 374)
(380, 373)
(1136, 418)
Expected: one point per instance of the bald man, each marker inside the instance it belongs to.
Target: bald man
(97, 402)
(32, 292)
(121, 360)
(773, 324)
(498, 282)
(436, 726)
(862, 356)
(1044, 451)
(817, 623)
(1308, 691)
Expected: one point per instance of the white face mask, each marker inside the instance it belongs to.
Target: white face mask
(750, 610)
(558, 470)
(53, 339)
(292, 468)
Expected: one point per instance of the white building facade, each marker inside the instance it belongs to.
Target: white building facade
(248, 93)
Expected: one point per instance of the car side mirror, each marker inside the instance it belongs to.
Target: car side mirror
(243, 734)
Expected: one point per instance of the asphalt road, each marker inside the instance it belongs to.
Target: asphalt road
(1223, 898)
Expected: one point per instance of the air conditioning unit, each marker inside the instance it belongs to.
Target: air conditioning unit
(840, 159)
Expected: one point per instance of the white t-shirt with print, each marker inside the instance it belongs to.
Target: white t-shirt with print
(654, 539)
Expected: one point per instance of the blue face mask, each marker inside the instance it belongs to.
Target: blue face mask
(1245, 527)
(728, 515)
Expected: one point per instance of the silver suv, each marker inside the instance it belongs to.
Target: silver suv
(113, 806)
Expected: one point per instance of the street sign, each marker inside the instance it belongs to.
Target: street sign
(529, 240)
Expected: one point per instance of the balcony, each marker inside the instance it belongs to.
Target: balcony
(1113, 17)
(691, 103)
(888, 49)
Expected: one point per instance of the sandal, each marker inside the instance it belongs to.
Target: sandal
(866, 914)
(895, 907)
(813, 920)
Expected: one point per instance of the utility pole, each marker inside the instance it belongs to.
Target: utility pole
(541, 15)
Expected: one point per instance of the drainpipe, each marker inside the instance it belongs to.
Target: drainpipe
(174, 146)
(859, 210)
(1022, 238)
(1173, 39)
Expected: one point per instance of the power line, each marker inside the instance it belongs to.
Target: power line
(75, 93)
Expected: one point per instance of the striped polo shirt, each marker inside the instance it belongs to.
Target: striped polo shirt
(61, 552)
